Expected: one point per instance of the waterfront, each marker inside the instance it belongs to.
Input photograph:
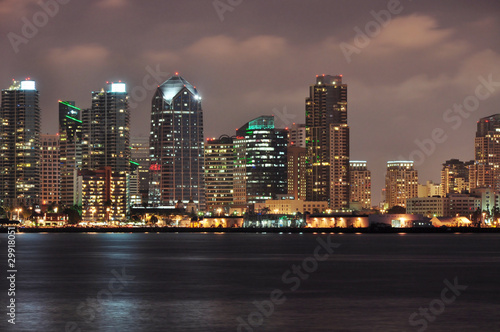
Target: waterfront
(206, 282)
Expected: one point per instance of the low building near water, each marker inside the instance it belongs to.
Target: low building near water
(222, 221)
(399, 220)
(53, 219)
(451, 222)
(337, 220)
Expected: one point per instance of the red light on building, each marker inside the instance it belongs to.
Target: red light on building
(155, 167)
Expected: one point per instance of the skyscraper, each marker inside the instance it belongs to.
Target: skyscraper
(296, 171)
(485, 172)
(339, 166)
(106, 130)
(176, 145)
(50, 170)
(262, 158)
(140, 158)
(401, 183)
(360, 182)
(106, 150)
(70, 150)
(20, 145)
(220, 157)
(327, 142)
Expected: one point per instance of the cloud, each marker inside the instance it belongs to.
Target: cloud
(226, 49)
(411, 32)
(112, 3)
(81, 55)
(164, 56)
(20, 7)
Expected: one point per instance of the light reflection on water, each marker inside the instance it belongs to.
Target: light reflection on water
(204, 282)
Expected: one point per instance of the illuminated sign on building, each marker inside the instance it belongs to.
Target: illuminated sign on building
(118, 87)
(28, 85)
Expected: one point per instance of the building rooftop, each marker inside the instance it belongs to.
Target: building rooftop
(171, 87)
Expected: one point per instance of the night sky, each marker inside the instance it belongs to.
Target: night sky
(261, 57)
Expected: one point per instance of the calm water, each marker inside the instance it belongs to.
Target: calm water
(208, 282)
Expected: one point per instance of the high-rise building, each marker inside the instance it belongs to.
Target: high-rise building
(455, 177)
(140, 158)
(401, 183)
(296, 171)
(20, 145)
(50, 171)
(240, 172)
(327, 142)
(264, 160)
(339, 166)
(70, 150)
(297, 135)
(220, 157)
(134, 196)
(106, 130)
(360, 183)
(176, 145)
(485, 172)
(103, 194)
(106, 145)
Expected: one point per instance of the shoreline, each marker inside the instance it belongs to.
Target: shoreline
(444, 230)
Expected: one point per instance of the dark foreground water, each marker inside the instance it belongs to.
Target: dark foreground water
(248, 282)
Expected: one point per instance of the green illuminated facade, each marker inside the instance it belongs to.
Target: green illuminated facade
(264, 160)
(70, 140)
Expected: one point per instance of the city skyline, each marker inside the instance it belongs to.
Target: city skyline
(256, 62)
(244, 165)
(176, 86)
